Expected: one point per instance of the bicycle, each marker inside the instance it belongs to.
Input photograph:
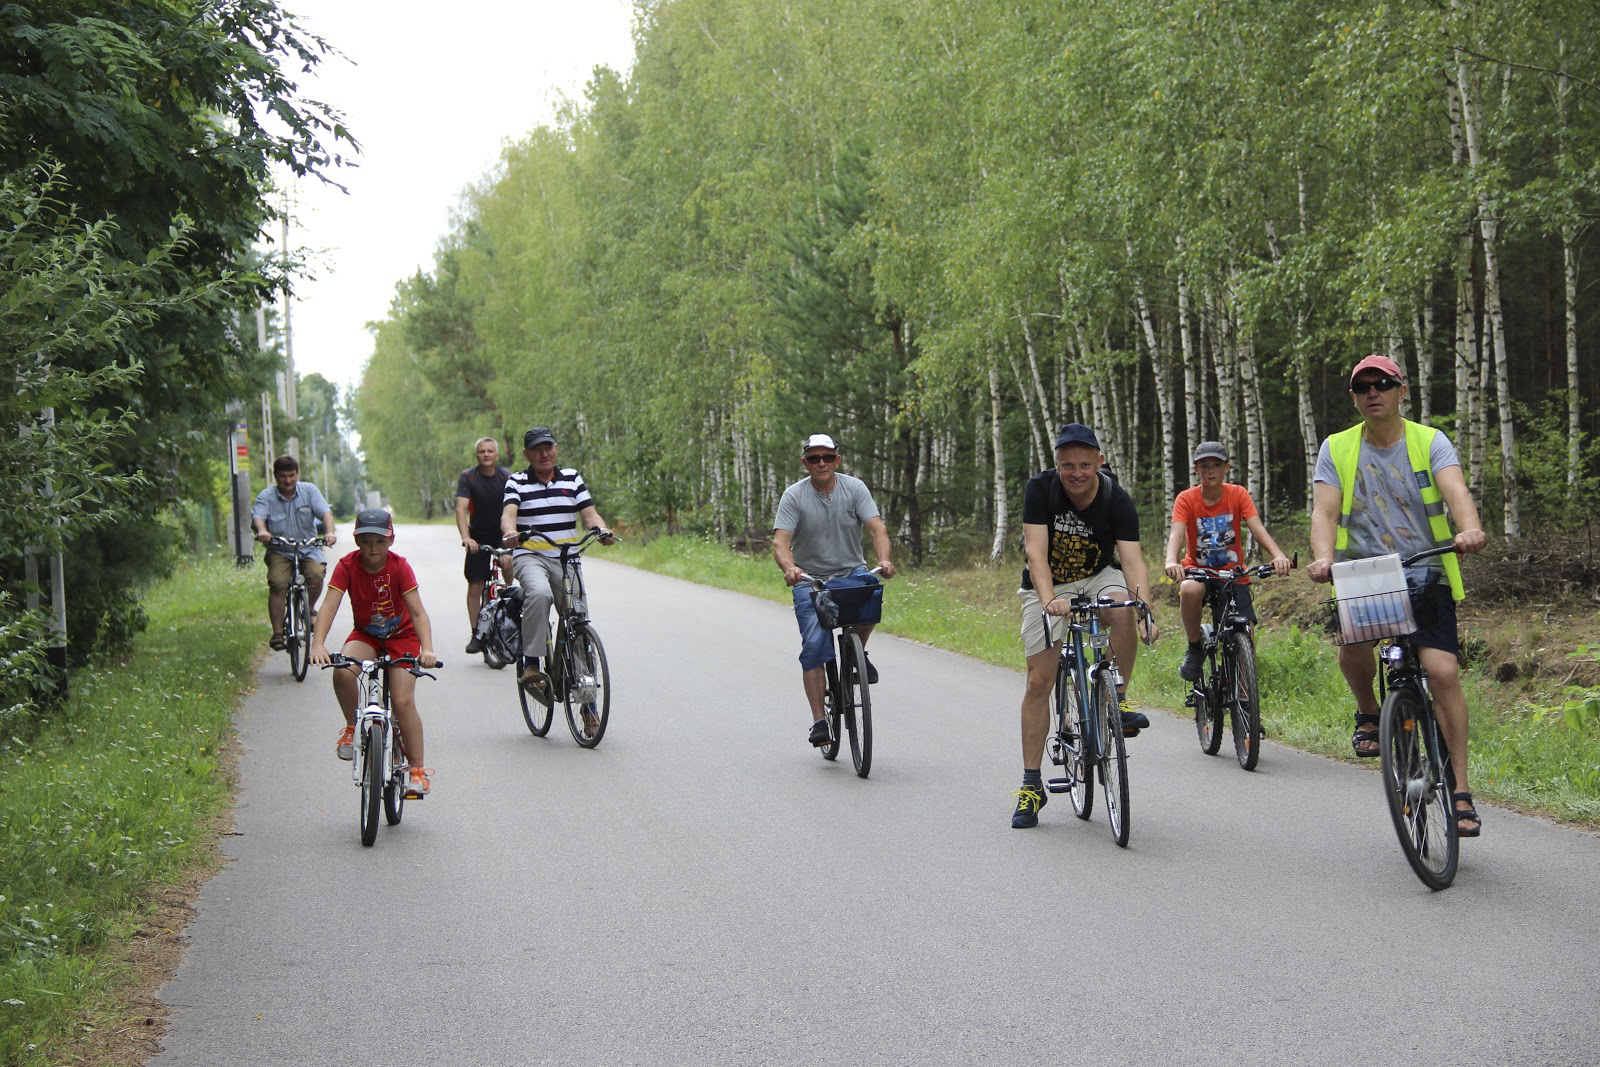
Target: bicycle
(574, 655)
(1088, 714)
(1417, 776)
(297, 608)
(379, 767)
(847, 696)
(1227, 682)
(492, 629)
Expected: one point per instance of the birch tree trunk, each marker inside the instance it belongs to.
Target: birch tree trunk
(1489, 226)
(1469, 434)
(1569, 275)
(1163, 393)
(1422, 332)
(1227, 361)
(1002, 506)
(1039, 394)
(1255, 444)
(1191, 376)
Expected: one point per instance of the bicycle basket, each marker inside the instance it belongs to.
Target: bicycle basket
(853, 605)
(1372, 600)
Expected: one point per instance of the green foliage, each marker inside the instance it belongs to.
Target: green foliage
(930, 227)
(109, 796)
(135, 148)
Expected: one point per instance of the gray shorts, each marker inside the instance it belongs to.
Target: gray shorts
(1107, 580)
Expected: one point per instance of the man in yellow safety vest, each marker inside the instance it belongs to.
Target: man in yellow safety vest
(1384, 486)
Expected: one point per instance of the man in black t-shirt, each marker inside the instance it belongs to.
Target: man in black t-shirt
(478, 494)
(1080, 532)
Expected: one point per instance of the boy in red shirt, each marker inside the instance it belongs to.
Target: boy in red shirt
(1205, 520)
(389, 618)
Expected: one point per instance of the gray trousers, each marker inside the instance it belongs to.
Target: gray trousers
(540, 578)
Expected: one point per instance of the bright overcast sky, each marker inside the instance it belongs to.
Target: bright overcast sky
(433, 93)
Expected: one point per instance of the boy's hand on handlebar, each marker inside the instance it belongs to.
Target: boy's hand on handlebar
(318, 654)
(1174, 571)
(426, 658)
(1281, 565)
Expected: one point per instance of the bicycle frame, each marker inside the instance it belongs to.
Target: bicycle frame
(1084, 631)
(373, 710)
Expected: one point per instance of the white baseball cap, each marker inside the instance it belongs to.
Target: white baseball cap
(818, 440)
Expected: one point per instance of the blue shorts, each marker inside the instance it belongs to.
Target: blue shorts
(816, 644)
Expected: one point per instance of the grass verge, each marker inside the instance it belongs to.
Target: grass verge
(110, 804)
(1524, 754)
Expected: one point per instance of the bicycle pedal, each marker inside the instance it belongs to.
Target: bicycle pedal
(1058, 785)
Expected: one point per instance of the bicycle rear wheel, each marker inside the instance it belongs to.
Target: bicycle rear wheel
(394, 790)
(586, 689)
(857, 702)
(1071, 719)
(1113, 753)
(830, 709)
(535, 714)
(297, 632)
(372, 783)
(1243, 699)
(1206, 697)
(1416, 782)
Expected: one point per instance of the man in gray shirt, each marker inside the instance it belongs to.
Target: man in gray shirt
(818, 532)
(291, 509)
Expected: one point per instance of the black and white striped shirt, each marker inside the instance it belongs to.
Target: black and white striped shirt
(547, 509)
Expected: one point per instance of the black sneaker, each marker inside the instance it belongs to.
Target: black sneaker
(1133, 720)
(1030, 798)
(1190, 670)
(872, 672)
(473, 648)
(820, 738)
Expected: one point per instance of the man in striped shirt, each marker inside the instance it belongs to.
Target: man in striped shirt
(544, 502)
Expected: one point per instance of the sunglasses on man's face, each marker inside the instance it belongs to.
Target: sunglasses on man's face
(822, 457)
(1382, 385)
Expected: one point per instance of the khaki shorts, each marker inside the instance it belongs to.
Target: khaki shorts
(1107, 580)
(280, 569)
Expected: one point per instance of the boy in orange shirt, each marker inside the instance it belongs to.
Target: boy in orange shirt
(1205, 520)
(389, 619)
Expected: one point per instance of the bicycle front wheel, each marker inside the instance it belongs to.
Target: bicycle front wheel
(1113, 754)
(297, 632)
(857, 703)
(1416, 782)
(1072, 724)
(1243, 699)
(586, 688)
(372, 783)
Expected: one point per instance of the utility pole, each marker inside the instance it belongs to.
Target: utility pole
(289, 384)
(239, 482)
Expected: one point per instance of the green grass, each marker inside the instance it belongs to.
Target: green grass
(111, 799)
(1523, 755)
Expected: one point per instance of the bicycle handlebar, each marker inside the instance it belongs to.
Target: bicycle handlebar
(571, 548)
(408, 663)
(295, 542)
(819, 583)
(1261, 570)
(1429, 554)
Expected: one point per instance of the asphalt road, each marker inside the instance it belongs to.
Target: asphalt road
(704, 889)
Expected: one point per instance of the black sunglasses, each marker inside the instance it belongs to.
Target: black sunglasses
(822, 457)
(1382, 385)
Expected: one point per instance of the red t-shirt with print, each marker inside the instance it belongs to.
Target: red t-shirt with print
(1213, 531)
(376, 600)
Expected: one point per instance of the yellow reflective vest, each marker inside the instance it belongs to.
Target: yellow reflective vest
(1344, 448)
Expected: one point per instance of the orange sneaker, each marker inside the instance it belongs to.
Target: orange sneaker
(419, 784)
(346, 747)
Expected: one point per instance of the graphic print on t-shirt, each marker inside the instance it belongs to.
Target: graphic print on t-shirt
(1214, 542)
(385, 617)
(1074, 552)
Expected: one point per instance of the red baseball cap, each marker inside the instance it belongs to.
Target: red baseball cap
(1377, 362)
